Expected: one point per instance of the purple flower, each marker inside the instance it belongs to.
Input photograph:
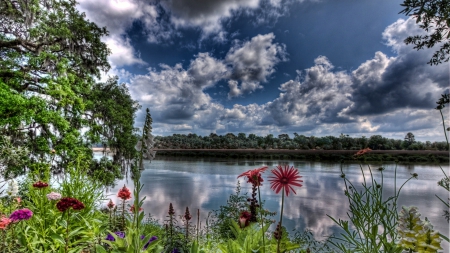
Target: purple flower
(175, 251)
(21, 214)
(118, 233)
(149, 241)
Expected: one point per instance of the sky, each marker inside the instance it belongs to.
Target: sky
(312, 67)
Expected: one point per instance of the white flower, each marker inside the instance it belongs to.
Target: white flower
(53, 196)
(13, 188)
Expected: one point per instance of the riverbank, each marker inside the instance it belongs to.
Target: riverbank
(402, 156)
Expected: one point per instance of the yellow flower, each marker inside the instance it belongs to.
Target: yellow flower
(428, 240)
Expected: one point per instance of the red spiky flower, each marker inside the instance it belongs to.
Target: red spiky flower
(124, 193)
(254, 176)
(285, 178)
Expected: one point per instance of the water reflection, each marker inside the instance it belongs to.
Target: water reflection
(206, 184)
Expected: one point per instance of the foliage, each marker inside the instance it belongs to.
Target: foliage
(249, 240)
(431, 15)
(373, 216)
(252, 141)
(111, 112)
(49, 57)
(229, 213)
(145, 144)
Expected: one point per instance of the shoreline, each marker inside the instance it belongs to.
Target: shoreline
(401, 156)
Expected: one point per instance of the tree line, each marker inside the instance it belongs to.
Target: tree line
(284, 141)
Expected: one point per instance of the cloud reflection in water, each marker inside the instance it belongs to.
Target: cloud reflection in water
(206, 184)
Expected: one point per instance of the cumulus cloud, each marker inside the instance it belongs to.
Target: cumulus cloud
(253, 62)
(206, 70)
(378, 97)
(317, 99)
(205, 14)
(383, 85)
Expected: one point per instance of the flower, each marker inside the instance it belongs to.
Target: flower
(415, 234)
(428, 240)
(13, 188)
(110, 237)
(153, 238)
(21, 214)
(187, 216)
(362, 152)
(285, 178)
(18, 200)
(254, 176)
(53, 196)
(132, 209)
(66, 203)
(244, 219)
(110, 204)
(124, 193)
(40, 185)
(171, 211)
(4, 222)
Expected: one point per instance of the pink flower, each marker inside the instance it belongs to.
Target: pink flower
(244, 219)
(284, 179)
(4, 222)
(53, 196)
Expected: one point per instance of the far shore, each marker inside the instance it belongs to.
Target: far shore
(298, 151)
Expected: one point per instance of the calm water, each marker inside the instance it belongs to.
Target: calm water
(206, 184)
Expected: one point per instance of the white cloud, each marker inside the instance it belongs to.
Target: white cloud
(205, 14)
(122, 52)
(206, 70)
(253, 62)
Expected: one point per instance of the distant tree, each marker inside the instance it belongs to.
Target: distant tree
(409, 137)
(431, 15)
(145, 144)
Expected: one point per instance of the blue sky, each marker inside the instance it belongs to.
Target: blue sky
(312, 67)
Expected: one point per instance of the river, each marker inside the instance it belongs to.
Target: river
(207, 183)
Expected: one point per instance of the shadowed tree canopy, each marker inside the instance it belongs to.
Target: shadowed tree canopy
(49, 58)
(433, 16)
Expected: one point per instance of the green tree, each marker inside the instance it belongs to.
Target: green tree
(409, 137)
(49, 57)
(145, 145)
(111, 112)
(431, 15)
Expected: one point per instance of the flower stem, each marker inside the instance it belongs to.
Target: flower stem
(66, 248)
(262, 222)
(281, 220)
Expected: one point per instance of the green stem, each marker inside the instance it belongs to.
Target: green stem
(123, 215)
(66, 248)
(443, 125)
(262, 222)
(281, 220)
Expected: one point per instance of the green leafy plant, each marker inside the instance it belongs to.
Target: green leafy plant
(373, 216)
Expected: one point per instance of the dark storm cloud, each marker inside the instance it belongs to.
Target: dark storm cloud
(383, 84)
(205, 14)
